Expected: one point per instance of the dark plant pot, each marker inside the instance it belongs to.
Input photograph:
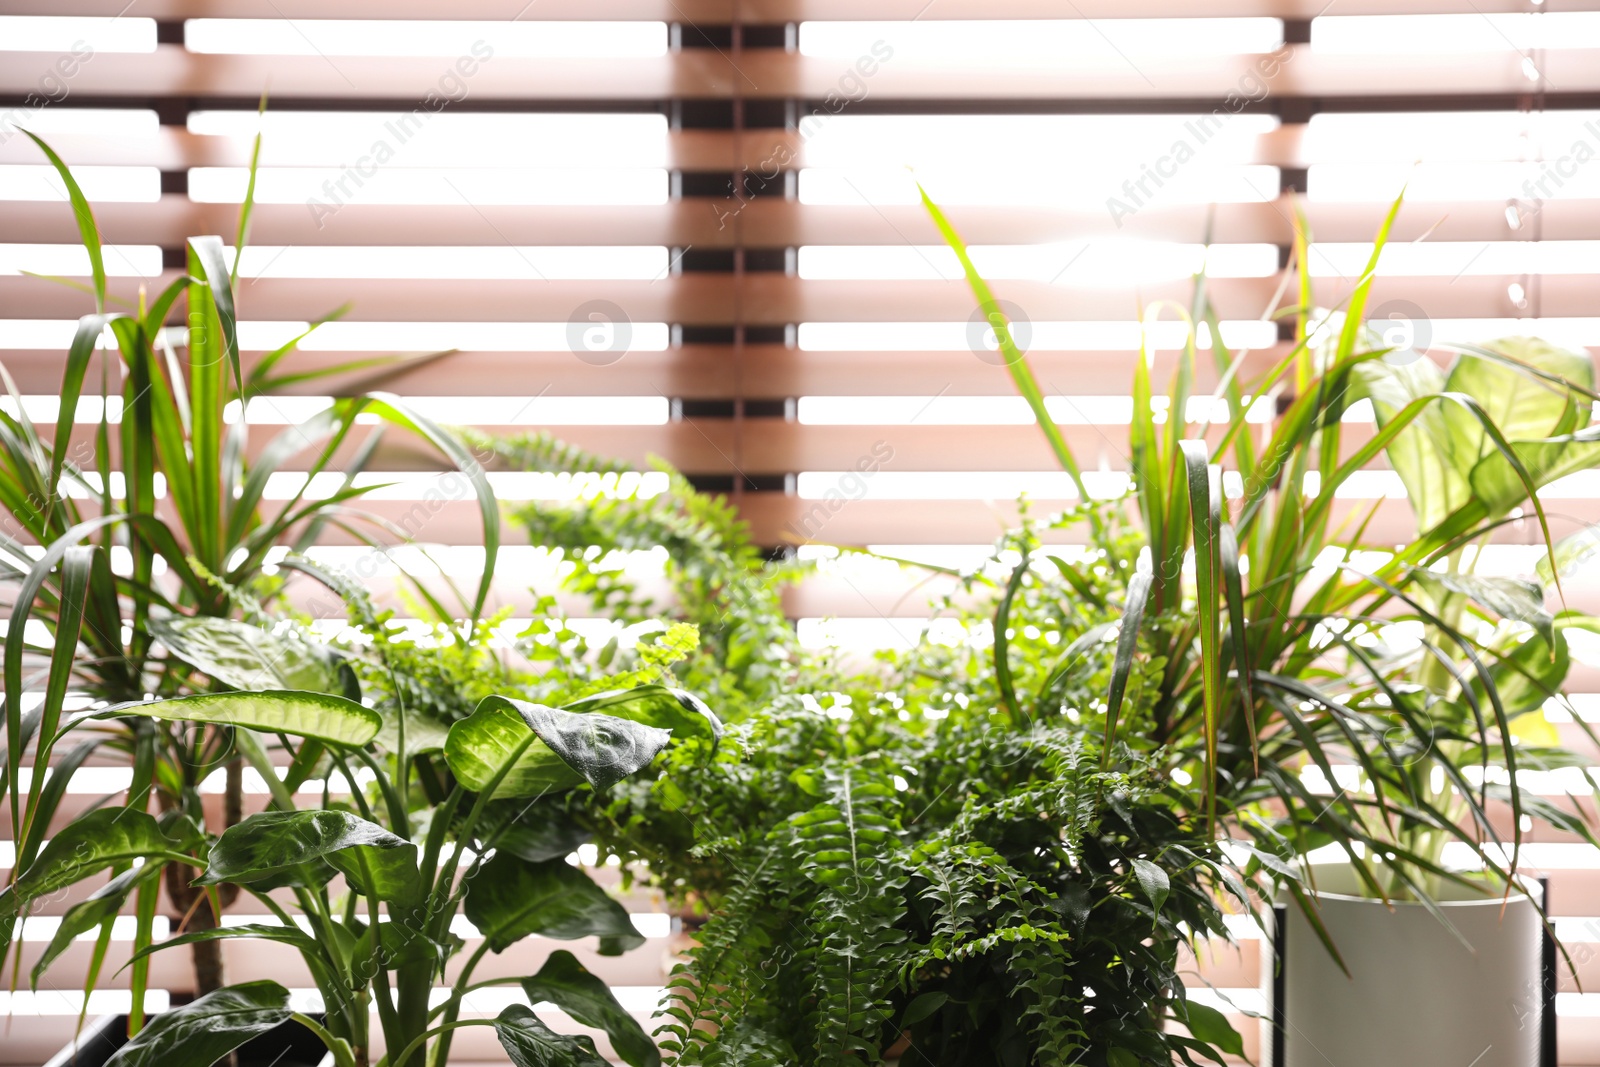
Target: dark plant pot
(289, 1045)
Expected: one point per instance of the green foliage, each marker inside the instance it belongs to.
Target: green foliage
(395, 846)
(1319, 661)
(721, 582)
(956, 916)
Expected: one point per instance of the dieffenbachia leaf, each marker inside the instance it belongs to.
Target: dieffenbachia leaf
(685, 714)
(564, 982)
(87, 846)
(509, 898)
(1513, 599)
(250, 658)
(297, 847)
(558, 749)
(530, 1043)
(319, 716)
(536, 831)
(207, 1029)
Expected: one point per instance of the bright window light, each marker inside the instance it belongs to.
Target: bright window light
(257, 336)
(529, 263)
(39, 181)
(1040, 336)
(960, 557)
(43, 333)
(1194, 184)
(1572, 332)
(480, 410)
(1371, 485)
(71, 1002)
(1480, 32)
(959, 485)
(1407, 136)
(1455, 258)
(1101, 262)
(1232, 1001)
(1108, 146)
(373, 184)
(1381, 182)
(480, 41)
(1584, 485)
(121, 261)
(860, 635)
(1036, 42)
(123, 927)
(46, 409)
(64, 33)
(452, 485)
(927, 140)
(84, 121)
(93, 781)
(422, 138)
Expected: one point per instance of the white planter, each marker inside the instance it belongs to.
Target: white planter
(1416, 996)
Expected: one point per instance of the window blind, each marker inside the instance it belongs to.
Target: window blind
(687, 229)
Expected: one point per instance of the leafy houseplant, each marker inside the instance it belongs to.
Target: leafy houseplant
(924, 861)
(212, 535)
(452, 824)
(1298, 646)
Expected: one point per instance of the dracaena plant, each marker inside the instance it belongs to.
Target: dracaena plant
(1291, 648)
(173, 487)
(456, 820)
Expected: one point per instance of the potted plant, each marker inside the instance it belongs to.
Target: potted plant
(203, 554)
(922, 860)
(366, 889)
(1289, 653)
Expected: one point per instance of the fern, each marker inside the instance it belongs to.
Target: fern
(848, 846)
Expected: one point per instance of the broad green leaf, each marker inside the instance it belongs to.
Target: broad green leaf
(685, 714)
(423, 732)
(530, 1043)
(1153, 880)
(552, 750)
(536, 831)
(276, 845)
(1211, 1026)
(564, 982)
(1524, 406)
(509, 898)
(250, 658)
(205, 1030)
(1571, 554)
(1528, 676)
(1513, 599)
(320, 716)
(86, 846)
(1495, 482)
(1423, 454)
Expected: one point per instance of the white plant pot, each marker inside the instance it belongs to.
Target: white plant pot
(1415, 996)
